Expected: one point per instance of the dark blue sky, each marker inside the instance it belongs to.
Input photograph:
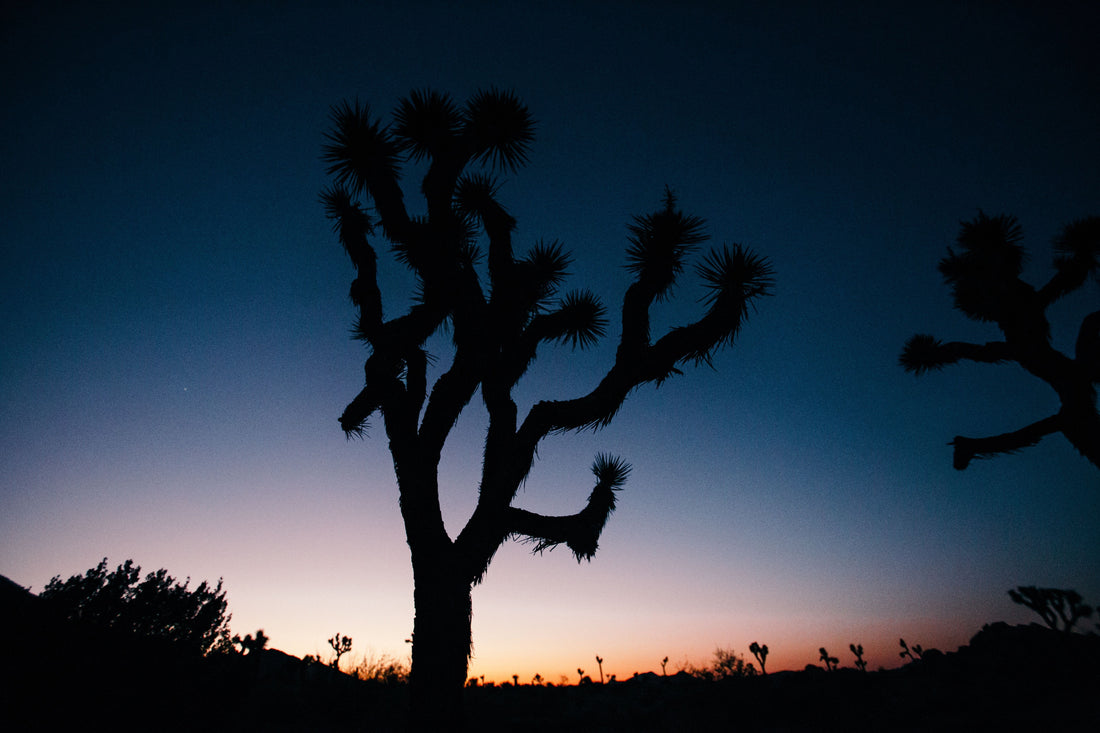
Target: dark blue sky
(176, 315)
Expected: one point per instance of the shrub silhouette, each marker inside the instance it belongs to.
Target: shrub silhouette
(384, 668)
(984, 275)
(726, 664)
(498, 311)
(1059, 609)
(157, 607)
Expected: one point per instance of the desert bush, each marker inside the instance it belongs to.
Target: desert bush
(726, 665)
(157, 607)
(382, 668)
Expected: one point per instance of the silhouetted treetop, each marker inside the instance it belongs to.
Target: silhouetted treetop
(984, 276)
(1059, 608)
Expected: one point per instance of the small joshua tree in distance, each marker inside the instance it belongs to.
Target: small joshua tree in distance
(830, 662)
(857, 649)
(599, 662)
(664, 666)
(251, 644)
(341, 645)
(1059, 609)
(914, 654)
(761, 654)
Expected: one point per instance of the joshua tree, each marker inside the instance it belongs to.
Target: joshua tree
(914, 654)
(1058, 608)
(341, 645)
(984, 275)
(250, 644)
(664, 666)
(761, 653)
(498, 311)
(599, 663)
(830, 662)
(857, 649)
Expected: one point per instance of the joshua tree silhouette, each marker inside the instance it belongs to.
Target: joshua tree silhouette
(857, 650)
(915, 653)
(984, 275)
(251, 645)
(341, 645)
(761, 654)
(1058, 608)
(498, 313)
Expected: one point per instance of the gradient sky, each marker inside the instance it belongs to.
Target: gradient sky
(176, 320)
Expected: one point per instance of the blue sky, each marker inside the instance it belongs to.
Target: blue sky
(177, 347)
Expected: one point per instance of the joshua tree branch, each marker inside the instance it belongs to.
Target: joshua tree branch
(580, 532)
(1087, 349)
(451, 393)
(966, 449)
(923, 353)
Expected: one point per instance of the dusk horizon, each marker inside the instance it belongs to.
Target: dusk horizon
(180, 338)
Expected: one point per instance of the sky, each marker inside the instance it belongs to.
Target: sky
(176, 322)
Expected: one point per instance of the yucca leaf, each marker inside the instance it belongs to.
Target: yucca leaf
(359, 150)
(659, 244)
(425, 123)
(584, 319)
(498, 128)
(610, 470)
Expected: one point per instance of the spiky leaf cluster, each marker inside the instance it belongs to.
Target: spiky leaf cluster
(499, 128)
(659, 244)
(734, 278)
(426, 123)
(360, 151)
(983, 272)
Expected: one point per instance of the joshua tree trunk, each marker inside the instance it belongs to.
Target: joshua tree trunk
(441, 646)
